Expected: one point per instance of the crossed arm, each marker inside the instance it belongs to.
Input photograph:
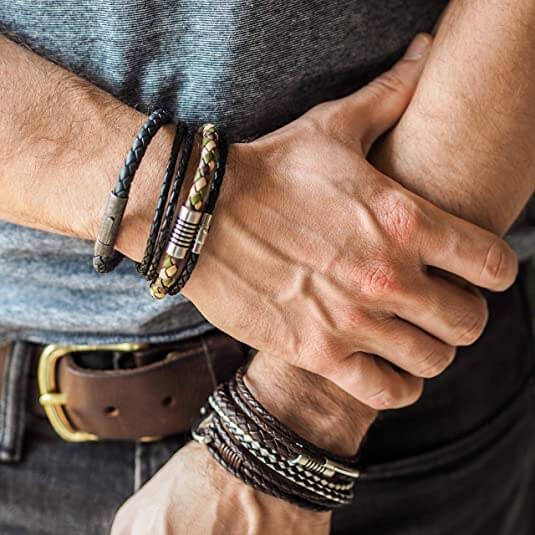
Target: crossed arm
(466, 143)
(462, 134)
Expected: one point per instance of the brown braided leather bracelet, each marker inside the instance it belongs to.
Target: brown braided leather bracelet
(258, 449)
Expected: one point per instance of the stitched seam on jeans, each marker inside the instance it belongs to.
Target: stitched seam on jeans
(142, 470)
(19, 414)
(209, 363)
(137, 466)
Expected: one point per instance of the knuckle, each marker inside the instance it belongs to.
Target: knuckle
(382, 399)
(319, 355)
(335, 124)
(414, 392)
(500, 264)
(435, 362)
(395, 396)
(380, 279)
(400, 217)
(470, 327)
(388, 82)
(312, 121)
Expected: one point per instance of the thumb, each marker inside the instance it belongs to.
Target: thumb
(381, 103)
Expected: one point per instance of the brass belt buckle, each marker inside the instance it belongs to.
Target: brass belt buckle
(53, 400)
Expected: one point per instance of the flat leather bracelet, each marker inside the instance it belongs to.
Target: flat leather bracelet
(144, 265)
(106, 258)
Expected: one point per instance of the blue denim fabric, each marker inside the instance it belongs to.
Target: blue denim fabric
(461, 460)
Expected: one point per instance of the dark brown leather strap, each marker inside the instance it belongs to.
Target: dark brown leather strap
(160, 399)
(154, 400)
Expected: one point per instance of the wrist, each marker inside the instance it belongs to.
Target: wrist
(309, 405)
(222, 235)
(114, 129)
(135, 228)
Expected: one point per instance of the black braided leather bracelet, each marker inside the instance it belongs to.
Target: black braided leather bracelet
(144, 265)
(105, 257)
(170, 211)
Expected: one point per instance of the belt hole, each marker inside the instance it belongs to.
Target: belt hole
(111, 411)
(168, 401)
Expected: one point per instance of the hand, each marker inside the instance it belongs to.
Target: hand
(193, 495)
(317, 257)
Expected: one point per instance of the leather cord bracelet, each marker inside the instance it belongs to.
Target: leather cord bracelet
(206, 220)
(253, 445)
(189, 218)
(239, 464)
(106, 258)
(268, 449)
(170, 211)
(144, 265)
(267, 419)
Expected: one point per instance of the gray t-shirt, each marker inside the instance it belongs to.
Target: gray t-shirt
(247, 65)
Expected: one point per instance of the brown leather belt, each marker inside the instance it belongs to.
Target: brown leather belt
(160, 395)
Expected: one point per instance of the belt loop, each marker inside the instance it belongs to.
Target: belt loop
(13, 397)
(209, 362)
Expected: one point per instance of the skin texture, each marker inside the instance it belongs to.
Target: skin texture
(447, 150)
(357, 286)
(347, 283)
(46, 162)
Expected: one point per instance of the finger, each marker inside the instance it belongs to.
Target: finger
(410, 348)
(379, 105)
(469, 251)
(375, 383)
(455, 315)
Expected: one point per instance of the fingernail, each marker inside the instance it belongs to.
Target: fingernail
(418, 48)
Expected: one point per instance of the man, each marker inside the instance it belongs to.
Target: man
(389, 308)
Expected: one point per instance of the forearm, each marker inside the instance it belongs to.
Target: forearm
(63, 142)
(466, 142)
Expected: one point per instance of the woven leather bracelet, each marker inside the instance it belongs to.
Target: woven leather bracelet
(268, 449)
(245, 468)
(268, 420)
(253, 445)
(187, 224)
(206, 220)
(144, 266)
(106, 258)
(170, 211)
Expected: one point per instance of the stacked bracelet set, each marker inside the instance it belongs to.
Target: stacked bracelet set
(239, 432)
(258, 449)
(175, 241)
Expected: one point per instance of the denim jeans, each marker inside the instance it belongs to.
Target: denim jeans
(460, 461)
